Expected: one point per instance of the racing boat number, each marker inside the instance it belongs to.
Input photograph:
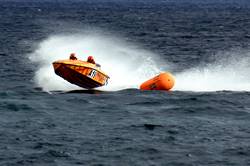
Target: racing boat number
(92, 74)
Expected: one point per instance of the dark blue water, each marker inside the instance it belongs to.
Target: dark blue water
(200, 122)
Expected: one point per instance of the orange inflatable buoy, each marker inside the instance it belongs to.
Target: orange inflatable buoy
(163, 81)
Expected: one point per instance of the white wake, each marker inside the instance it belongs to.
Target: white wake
(230, 71)
(126, 64)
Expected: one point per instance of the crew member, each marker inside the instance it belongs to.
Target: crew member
(72, 56)
(91, 60)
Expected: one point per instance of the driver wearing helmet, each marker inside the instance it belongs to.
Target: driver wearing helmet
(91, 60)
(72, 56)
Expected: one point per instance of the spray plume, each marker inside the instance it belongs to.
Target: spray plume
(127, 65)
(229, 71)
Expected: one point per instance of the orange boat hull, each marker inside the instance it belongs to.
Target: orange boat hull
(81, 73)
